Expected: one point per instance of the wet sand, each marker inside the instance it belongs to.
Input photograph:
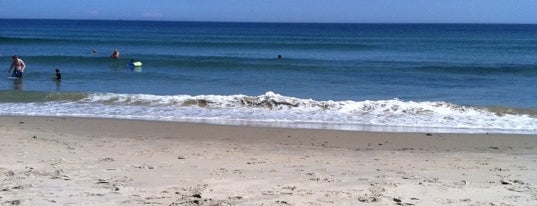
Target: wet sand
(86, 161)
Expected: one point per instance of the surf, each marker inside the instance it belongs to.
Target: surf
(272, 109)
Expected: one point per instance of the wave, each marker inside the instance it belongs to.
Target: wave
(237, 62)
(273, 101)
(515, 69)
(199, 42)
(275, 109)
(46, 41)
(182, 61)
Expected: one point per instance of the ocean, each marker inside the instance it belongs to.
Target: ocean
(456, 78)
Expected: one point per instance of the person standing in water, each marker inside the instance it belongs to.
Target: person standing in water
(58, 74)
(17, 65)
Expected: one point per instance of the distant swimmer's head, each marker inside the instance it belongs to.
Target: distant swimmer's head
(115, 54)
(279, 56)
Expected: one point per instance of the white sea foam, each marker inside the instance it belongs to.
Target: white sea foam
(273, 109)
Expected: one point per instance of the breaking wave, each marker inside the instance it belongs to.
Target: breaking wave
(271, 109)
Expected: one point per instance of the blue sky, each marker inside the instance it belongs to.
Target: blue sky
(345, 11)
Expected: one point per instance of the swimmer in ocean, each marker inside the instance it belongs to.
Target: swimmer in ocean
(115, 54)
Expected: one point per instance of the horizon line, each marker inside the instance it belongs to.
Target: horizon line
(270, 22)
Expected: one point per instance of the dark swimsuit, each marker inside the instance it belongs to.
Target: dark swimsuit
(17, 73)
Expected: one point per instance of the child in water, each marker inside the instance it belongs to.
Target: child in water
(58, 74)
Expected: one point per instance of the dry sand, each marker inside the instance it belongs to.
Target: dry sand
(84, 161)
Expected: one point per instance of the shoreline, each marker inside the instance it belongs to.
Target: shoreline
(404, 136)
(347, 127)
(83, 161)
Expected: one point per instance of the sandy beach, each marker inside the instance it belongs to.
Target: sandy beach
(85, 161)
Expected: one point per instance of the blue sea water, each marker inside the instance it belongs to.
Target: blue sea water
(382, 77)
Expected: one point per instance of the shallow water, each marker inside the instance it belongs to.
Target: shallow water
(426, 77)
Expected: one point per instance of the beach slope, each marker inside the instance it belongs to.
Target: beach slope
(85, 161)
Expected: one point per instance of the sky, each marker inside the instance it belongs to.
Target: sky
(317, 11)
